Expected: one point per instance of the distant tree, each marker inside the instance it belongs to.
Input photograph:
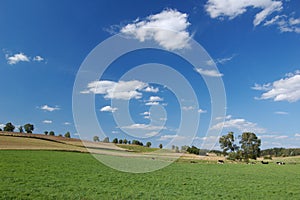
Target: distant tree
(129, 142)
(96, 139)
(9, 127)
(28, 128)
(250, 145)
(193, 150)
(120, 141)
(0, 129)
(106, 140)
(115, 140)
(60, 135)
(46, 132)
(125, 141)
(176, 149)
(51, 133)
(184, 148)
(68, 135)
(173, 147)
(160, 146)
(148, 144)
(21, 129)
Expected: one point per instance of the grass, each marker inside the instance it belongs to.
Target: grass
(29, 174)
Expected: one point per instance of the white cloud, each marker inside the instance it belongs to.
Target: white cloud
(67, 123)
(281, 137)
(47, 121)
(144, 127)
(49, 108)
(151, 89)
(168, 29)
(16, 58)
(281, 113)
(234, 8)
(297, 135)
(152, 103)
(2, 126)
(285, 23)
(170, 137)
(155, 98)
(240, 124)
(38, 58)
(108, 109)
(264, 87)
(124, 90)
(202, 111)
(187, 108)
(285, 89)
(146, 115)
(209, 72)
(225, 60)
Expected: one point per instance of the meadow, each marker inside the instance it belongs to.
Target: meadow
(42, 174)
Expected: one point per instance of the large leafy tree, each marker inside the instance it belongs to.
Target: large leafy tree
(227, 143)
(28, 128)
(9, 127)
(250, 145)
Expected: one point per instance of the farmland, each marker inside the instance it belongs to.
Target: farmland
(44, 174)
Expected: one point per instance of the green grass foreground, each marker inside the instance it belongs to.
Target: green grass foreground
(68, 175)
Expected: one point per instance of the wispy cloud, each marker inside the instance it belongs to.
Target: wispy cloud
(281, 113)
(16, 58)
(285, 23)
(47, 121)
(232, 8)
(167, 28)
(208, 72)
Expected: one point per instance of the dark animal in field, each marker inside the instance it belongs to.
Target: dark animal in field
(220, 161)
(280, 163)
(264, 163)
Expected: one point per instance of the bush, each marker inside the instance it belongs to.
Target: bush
(148, 144)
(115, 140)
(267, 157)
(106, 140)
(68, 135)
(51, 133)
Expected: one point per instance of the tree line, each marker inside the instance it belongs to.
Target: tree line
(28, 128)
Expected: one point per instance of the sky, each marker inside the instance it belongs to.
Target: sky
(251, 49)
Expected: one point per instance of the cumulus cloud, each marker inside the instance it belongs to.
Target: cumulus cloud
(124, 90)
(151, 89)
(16, 58)
(240, 124)
(234, 8)
(49, 108)
(47, 121)
(285, 89)
(155, 98)
(108, 109)
(208, 72)
(167, 28)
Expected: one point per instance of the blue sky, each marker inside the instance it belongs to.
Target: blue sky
(254, 44)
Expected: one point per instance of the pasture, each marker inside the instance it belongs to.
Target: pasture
(42, 174)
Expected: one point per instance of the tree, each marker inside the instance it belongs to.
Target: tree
(148, 144)
(0, 129)
(106, 140)
(129, 142)
(21, 129)
(28, 128)
(51, 133)
(96, 138)
(120, 141)
(9, 127)
(160, 146)
(68, 135)
(176, 149)
(46, 132)
(250, 145)
(60, 135)
(173, 147)
(115, 140)
(227, 143)
(125, 141)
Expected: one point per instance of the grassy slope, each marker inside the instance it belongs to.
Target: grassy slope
(68, 175)
(137, 148)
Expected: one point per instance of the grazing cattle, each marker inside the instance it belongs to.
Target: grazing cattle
(220, 161)
(280, 163)
(264, 163)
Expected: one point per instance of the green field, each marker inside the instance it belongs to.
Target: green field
(29, 174)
